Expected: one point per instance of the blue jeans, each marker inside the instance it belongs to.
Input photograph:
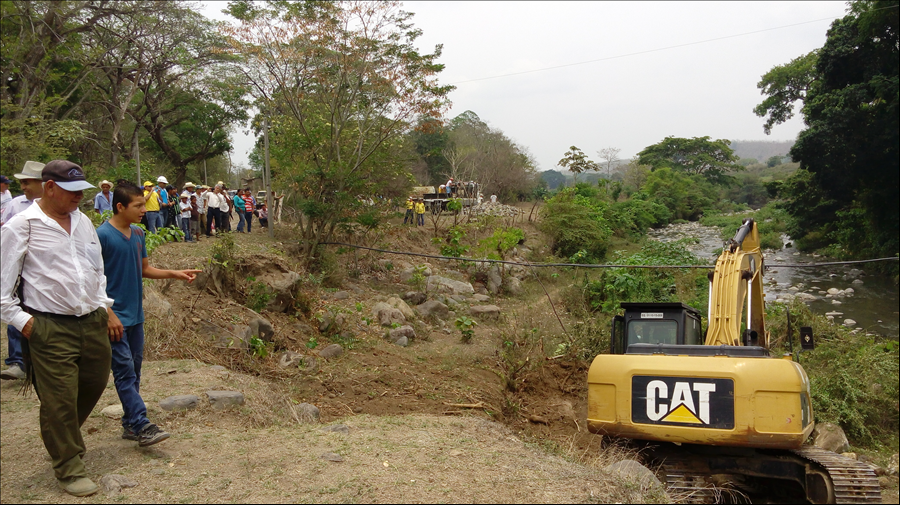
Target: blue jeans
(154, 220)
(14, 339)
(185, 225)
(249, 219)
(240, 227)
(127, 356)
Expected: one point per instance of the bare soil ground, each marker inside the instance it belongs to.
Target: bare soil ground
(522, 438)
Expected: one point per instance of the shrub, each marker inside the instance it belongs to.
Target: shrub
(573, 225)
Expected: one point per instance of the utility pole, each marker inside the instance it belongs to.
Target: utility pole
(267, 176)
(205, 182)
(137, 156)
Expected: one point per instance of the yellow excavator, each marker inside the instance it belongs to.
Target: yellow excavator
(719, 412)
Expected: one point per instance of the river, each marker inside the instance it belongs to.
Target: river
(871, 303)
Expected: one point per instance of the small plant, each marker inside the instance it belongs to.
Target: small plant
(259, 347)
(223, 251)
(312, 343)
(258, 296)
(466, 326)
(359, 306)
(418, 277)
(450, 246)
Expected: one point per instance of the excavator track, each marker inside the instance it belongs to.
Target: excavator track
(854, 482)
(693, 478)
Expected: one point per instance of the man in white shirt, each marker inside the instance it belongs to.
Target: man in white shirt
(30, 180)
(63, 314)
(213, 214)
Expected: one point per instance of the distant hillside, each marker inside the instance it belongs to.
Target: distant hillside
(762, 150)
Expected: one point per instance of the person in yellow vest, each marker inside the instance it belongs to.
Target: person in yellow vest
(152, 204)
(409, 211)
(420, 213)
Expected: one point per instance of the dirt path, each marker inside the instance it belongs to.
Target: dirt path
(213, 457)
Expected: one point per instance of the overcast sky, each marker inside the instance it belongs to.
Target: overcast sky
(645, 88)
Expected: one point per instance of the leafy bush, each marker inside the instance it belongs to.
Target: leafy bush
(572, 224)
(451, 246)
(501, 242)
(258, 295)
(466, 327)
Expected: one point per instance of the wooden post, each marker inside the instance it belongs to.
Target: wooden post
(268, 178)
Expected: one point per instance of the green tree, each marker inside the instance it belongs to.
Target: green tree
(698, 155)
(577, 162)
(848, 153)
(784, 86)
(341, 83)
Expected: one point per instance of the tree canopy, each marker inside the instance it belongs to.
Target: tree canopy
(846, 192)
(698, 155)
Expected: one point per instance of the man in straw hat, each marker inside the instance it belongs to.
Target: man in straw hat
(30, 180)
(63, 313)
(103, 200)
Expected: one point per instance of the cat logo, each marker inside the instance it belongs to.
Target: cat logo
(682, 401)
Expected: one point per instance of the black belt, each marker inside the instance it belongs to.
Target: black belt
(64, 317)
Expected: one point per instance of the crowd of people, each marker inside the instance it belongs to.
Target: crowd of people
(72, 295)
(197, 210)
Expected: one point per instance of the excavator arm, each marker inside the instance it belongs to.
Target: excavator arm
(738, 278)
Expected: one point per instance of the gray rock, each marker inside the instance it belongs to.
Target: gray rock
(307, 413)
(806, 297)
(414, 297)
(113, 484)
(387, 315)
(494, 280)
(325, 322)
(156, 305)
(218, 368)
(337, 428)
(262, 329)
(406, 332)
(835, 302)
(330, 456)
(332, 351)
(481, 298)
(458, 298)
(631, 470)
(849, 291)
(402, 342)
(228, 335)
(433, 309)
(893, 467)
(849, 322)
(402, 307)
(341, 295)
(303, 328)
(310, 365)
(485, 311)
(438, 284)
(113, 411)
(513, 286)
(290, 359)
(222, 399)
(857, 282)
(834, 291)
(830, 437)
(180, 402)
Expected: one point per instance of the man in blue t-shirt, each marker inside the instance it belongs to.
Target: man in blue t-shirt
(125, 264)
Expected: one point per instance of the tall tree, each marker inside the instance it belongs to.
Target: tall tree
(341, 83)
(698, 155)
(848, 153)
(577, 162)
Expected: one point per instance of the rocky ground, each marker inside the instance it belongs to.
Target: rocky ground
(353, 386)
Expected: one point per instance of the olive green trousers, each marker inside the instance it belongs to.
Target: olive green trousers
(70, 361)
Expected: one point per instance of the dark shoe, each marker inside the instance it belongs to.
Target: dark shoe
(151, 434)
(127, 434)
(79, 486)
(14, 372)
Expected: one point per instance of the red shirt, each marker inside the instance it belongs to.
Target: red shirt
(248, 204)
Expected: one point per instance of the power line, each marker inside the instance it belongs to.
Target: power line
(651, 50)
(587, 265)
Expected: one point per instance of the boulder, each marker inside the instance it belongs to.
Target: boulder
(849, 322)
(415, 297)
(830, 437)
(438, 284)
(331, 351)
(156, 305)
(407, 274)
(433, 309)
(485, 311)
(307, 413)
(222, 399)
(113, 484)
(513, 286)
(262, 329)
(631, 470)
(480, 298)
(834, 291)
(405, 331)
(180, 402)
(114, 411)
(402, 342)
(290, 359)
(494, 280)
(893, 467)
(387, 315)
(341, 295)
(226, 336)
(857, 282)
(806, 297)
(402, 307)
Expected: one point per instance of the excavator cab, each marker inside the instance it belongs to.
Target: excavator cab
(666, 324)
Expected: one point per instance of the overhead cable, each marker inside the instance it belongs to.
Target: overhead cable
(588, 265)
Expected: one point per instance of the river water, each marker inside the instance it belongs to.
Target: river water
(871, 304)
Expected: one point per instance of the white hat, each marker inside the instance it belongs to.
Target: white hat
(189, 184)
(31, 170)
(162, 179)
(185, 194)
(105, 183)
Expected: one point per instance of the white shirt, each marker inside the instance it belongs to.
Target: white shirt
(62, 272)
(202, 202)
(5, 198)
(223, 202)
(213, 201)
(16, 205)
